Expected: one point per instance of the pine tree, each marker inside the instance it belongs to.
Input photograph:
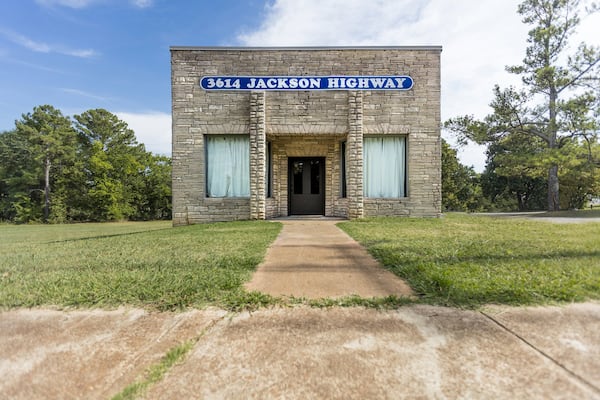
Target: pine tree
(559, 99)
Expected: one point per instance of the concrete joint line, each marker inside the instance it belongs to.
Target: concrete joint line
(544, 354)
(194, 341)
(208, 329)
(140, 353)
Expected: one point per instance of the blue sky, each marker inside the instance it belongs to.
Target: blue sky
(114, 54)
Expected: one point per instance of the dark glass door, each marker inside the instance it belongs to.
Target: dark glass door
(306, 185)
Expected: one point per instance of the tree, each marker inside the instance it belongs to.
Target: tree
(579, 173)
(154, 200)
(19, 179)
(513, 178)
(460, 184)
(48, 139)
(114, 164)
(97, 171)
(560, 93)
(121, 180)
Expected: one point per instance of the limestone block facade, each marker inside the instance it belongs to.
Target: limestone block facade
(306, 147)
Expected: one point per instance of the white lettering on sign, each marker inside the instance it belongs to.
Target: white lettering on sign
(284, 83)
(219, 83)
(306, 83)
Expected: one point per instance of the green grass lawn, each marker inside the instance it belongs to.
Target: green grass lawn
(145, 264)
(459, 260)
(467, 261)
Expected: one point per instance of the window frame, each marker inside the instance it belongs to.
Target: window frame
(343, 170)
(404, 165)
(207, 156)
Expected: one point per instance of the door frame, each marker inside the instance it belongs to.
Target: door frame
(322, 182)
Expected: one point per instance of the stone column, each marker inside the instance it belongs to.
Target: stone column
(258, 148)
(354, 158)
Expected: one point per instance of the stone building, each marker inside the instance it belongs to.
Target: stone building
(262, 133)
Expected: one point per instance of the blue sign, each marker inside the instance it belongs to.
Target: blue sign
(279, 83)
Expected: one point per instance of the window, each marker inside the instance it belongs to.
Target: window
(384, 172)
(343, 169)
(269, 170)
(315, 177)
(298, 174)
(227, 166)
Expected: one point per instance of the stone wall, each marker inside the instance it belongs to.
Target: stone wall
(305, 123)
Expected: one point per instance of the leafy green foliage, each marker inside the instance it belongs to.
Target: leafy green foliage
(93, 170)
(513, 179)
(461, 190)
(116, 167)
(579, 173)
(50, 141)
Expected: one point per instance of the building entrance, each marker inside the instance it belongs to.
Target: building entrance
(306, 185)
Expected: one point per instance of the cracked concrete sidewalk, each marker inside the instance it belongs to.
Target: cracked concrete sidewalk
(416, 351)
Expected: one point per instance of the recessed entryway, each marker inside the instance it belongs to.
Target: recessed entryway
(306, 186)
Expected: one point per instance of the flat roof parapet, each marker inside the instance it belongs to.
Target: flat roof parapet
(307, 48)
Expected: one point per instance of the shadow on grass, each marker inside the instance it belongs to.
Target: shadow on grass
(569, 214)
(94, 237)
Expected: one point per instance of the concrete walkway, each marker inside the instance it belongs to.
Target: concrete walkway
(415, 352)
(315, 259)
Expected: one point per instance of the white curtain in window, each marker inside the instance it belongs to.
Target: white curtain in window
(384, 169)
(228, 166)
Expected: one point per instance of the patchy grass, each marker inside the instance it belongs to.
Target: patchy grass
(156, 372)
(17, 235)
(378, 303)
(467, 261)
(142, 264)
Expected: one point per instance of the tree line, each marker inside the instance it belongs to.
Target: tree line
(543, 150)
(56, 169)
(507, 184)
(542, 137)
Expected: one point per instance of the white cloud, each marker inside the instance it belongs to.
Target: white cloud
(479, 37)
(142, 3)
(41, 47)
(66, 3)
(82, 93)
(81, 53)
(153, 129)
(26, 42)
(78, 4)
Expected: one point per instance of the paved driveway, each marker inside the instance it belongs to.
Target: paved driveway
(544, 216)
